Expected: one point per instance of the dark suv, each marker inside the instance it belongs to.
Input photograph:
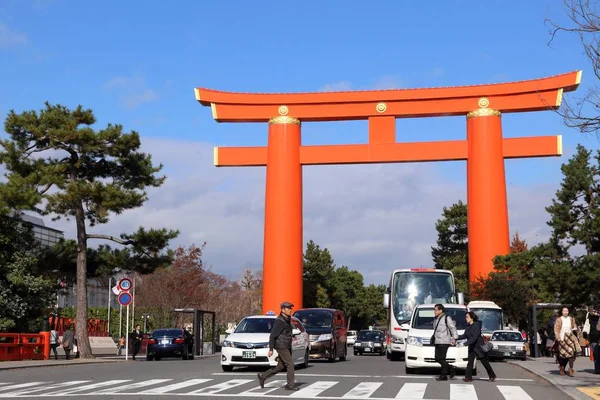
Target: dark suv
(327, 332)
(370, 342)
(170, 342)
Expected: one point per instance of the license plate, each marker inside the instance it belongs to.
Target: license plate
(508, 353)
(367, 349)
(164, 341)
(248, 354)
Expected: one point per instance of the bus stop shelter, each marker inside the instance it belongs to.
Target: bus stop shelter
(535, 350)
(199, 328)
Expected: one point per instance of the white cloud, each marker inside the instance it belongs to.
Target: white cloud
(373, 218)
(133, 90)
(342, 86)
(10, 37)
(388, 82)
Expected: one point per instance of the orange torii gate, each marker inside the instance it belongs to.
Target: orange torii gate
(484, 150)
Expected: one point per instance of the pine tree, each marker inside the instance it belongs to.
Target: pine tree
(452, 251)
(59, 165)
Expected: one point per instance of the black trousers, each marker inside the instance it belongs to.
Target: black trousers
(136, 347)
(483, 360)
(441, 351)
(285, 363)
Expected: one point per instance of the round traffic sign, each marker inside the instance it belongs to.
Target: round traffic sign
(125, 284)
(125, 299)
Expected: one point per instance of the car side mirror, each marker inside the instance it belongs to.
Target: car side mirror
(229, 331)
(296, 332)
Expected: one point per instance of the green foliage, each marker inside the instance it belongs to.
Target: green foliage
(318, 270)
(452, 251)
(59, 165)
(326, 286)
(27, 291)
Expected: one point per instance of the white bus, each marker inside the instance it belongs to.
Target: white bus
(409, 288)
(490, 314)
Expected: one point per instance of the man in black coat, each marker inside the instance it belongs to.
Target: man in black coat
(281, 340)
(137, 337)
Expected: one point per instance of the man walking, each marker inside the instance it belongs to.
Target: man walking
(281, 340)
(136, 340)
(444, 333)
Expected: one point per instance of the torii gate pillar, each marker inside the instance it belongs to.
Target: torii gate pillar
(484, 151)
(487, 206)
(283, 216)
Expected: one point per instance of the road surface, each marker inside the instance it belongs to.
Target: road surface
(360, 377)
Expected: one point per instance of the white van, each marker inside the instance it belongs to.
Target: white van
(420, 353)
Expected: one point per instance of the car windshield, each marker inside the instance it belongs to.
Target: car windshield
(370, 335)
(424, 318)
(315, 318)
(507, 337)
(491, 320)
(255, 325)
(167, 333)
(351, 333)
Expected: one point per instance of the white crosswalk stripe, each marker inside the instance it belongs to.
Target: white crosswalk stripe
(209, 388)
(412, 391)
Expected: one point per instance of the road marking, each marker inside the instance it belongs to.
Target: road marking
(314, 389)
(462, 392)
(86, 387)
(222, 386)
(592, 391)
(269, 387)
(175, 386)
(364, 376)
(54, 386)
(363, 390)
(513, 393)
(412, 391)
(137, 385)
(21, 385)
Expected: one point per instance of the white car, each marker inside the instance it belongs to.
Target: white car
(248, 345)
(420, 353)
(508, 344)
(350, 338)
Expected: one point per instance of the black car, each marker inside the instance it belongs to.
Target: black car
(370, 342)
(170, 342)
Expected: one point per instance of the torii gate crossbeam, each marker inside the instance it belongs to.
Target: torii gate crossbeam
(484, 150)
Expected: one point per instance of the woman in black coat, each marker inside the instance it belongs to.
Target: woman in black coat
(474, 341)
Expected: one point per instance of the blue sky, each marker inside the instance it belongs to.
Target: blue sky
(136, 63)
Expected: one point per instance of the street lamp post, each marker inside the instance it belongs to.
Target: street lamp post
(145, 317)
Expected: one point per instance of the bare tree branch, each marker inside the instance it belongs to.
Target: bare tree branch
(111, 238)
(582, 113)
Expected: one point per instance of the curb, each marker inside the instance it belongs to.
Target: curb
(576, 395)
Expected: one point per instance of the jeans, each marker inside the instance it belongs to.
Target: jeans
(595, 349)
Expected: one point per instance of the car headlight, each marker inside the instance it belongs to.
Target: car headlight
(357, 344)
(414, 341)
(324, 337)
(227, 343)
(377, 344)
(397, 340)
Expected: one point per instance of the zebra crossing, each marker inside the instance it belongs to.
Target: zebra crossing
(248, 387)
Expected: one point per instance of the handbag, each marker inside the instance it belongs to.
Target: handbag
(486, 346)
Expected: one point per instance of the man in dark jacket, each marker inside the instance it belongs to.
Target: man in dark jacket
(281, 340)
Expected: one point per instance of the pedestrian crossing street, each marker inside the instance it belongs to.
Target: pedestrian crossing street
(248, 387)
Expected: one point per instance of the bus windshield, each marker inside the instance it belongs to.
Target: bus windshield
(491, 319)
(413, 288)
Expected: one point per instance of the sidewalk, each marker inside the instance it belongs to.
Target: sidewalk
(585, 385)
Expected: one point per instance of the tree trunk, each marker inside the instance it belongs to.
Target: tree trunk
(81, 328)
(349, 320)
